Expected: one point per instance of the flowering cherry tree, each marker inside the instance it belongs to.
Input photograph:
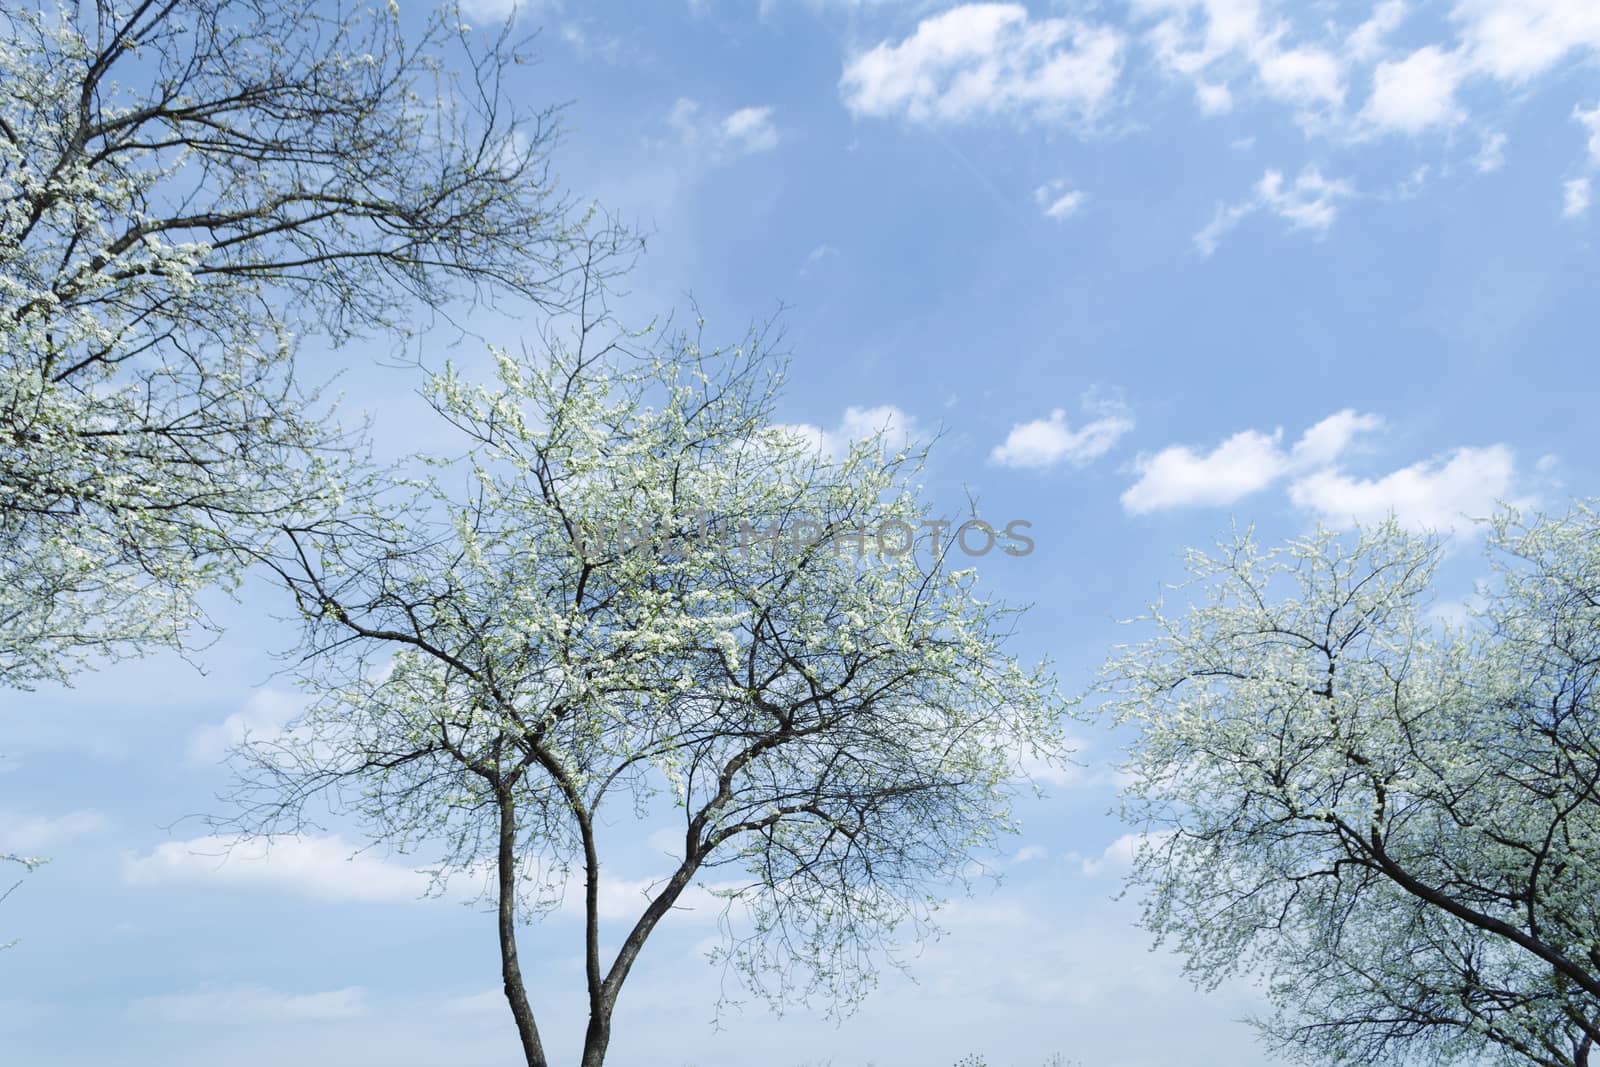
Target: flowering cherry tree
(1395, 819)
(186, 187)
(500, 672)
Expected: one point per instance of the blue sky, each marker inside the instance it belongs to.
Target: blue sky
(1150, 267)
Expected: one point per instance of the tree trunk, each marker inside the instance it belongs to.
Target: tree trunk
(510, 971)
(597, 1037)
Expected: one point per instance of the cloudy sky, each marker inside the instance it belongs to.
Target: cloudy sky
(1149, 268)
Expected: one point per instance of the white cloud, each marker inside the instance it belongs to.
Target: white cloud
(1226, 217)
(243, 1005)
(1325, 442)
(858, 424)
(501, 10)
(26, 834)
(1492, 156)
(1213, 99)
(1507, 41)
(667, 840)
(1411, 185)
(1192, 34)
(327, 867)
(1441, 495)
(1416, 93)
(491, 10)
(1516, 40)
(330, 868)
(1309, 62)
(623, 900)
(1046, 442)
(816, 256)
(1575, 197)
(1029, 853)
(588, 42)
(1590, 121)
(1578, 193)
(1245, 463)
(1344, 71)
(1057, 772)
(747, 131)
(987, 59)
(1458, 612)
(264, 715)
(1207, 41)
(1057, 200)
(1366, 40)
(1119, 855)
(1310, 202)
(1076, 771)
(1178, 476)
(488, 1002)
(750, 129)
(1304, 76)
(1015, 948)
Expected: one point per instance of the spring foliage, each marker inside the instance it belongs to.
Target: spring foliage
(838, 732)
(1394, 818)
(187, 187)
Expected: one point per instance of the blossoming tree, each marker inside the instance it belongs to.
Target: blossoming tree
(1396, 819)
(498, 668)
(185, 187)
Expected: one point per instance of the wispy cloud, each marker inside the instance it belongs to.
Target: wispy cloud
(1118, 856)
(1575, 197)
(815, 257)
(1310, 202)
(745, 131)
(265, 714)
(1492, 155)
(27, 834)
(1589, 119)
(502, 10)
(250, 1004)
(327, 867)
(1058, 200)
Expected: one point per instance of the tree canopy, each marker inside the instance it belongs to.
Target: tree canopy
(640, 589)
(187, 188)
(1394, 816)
